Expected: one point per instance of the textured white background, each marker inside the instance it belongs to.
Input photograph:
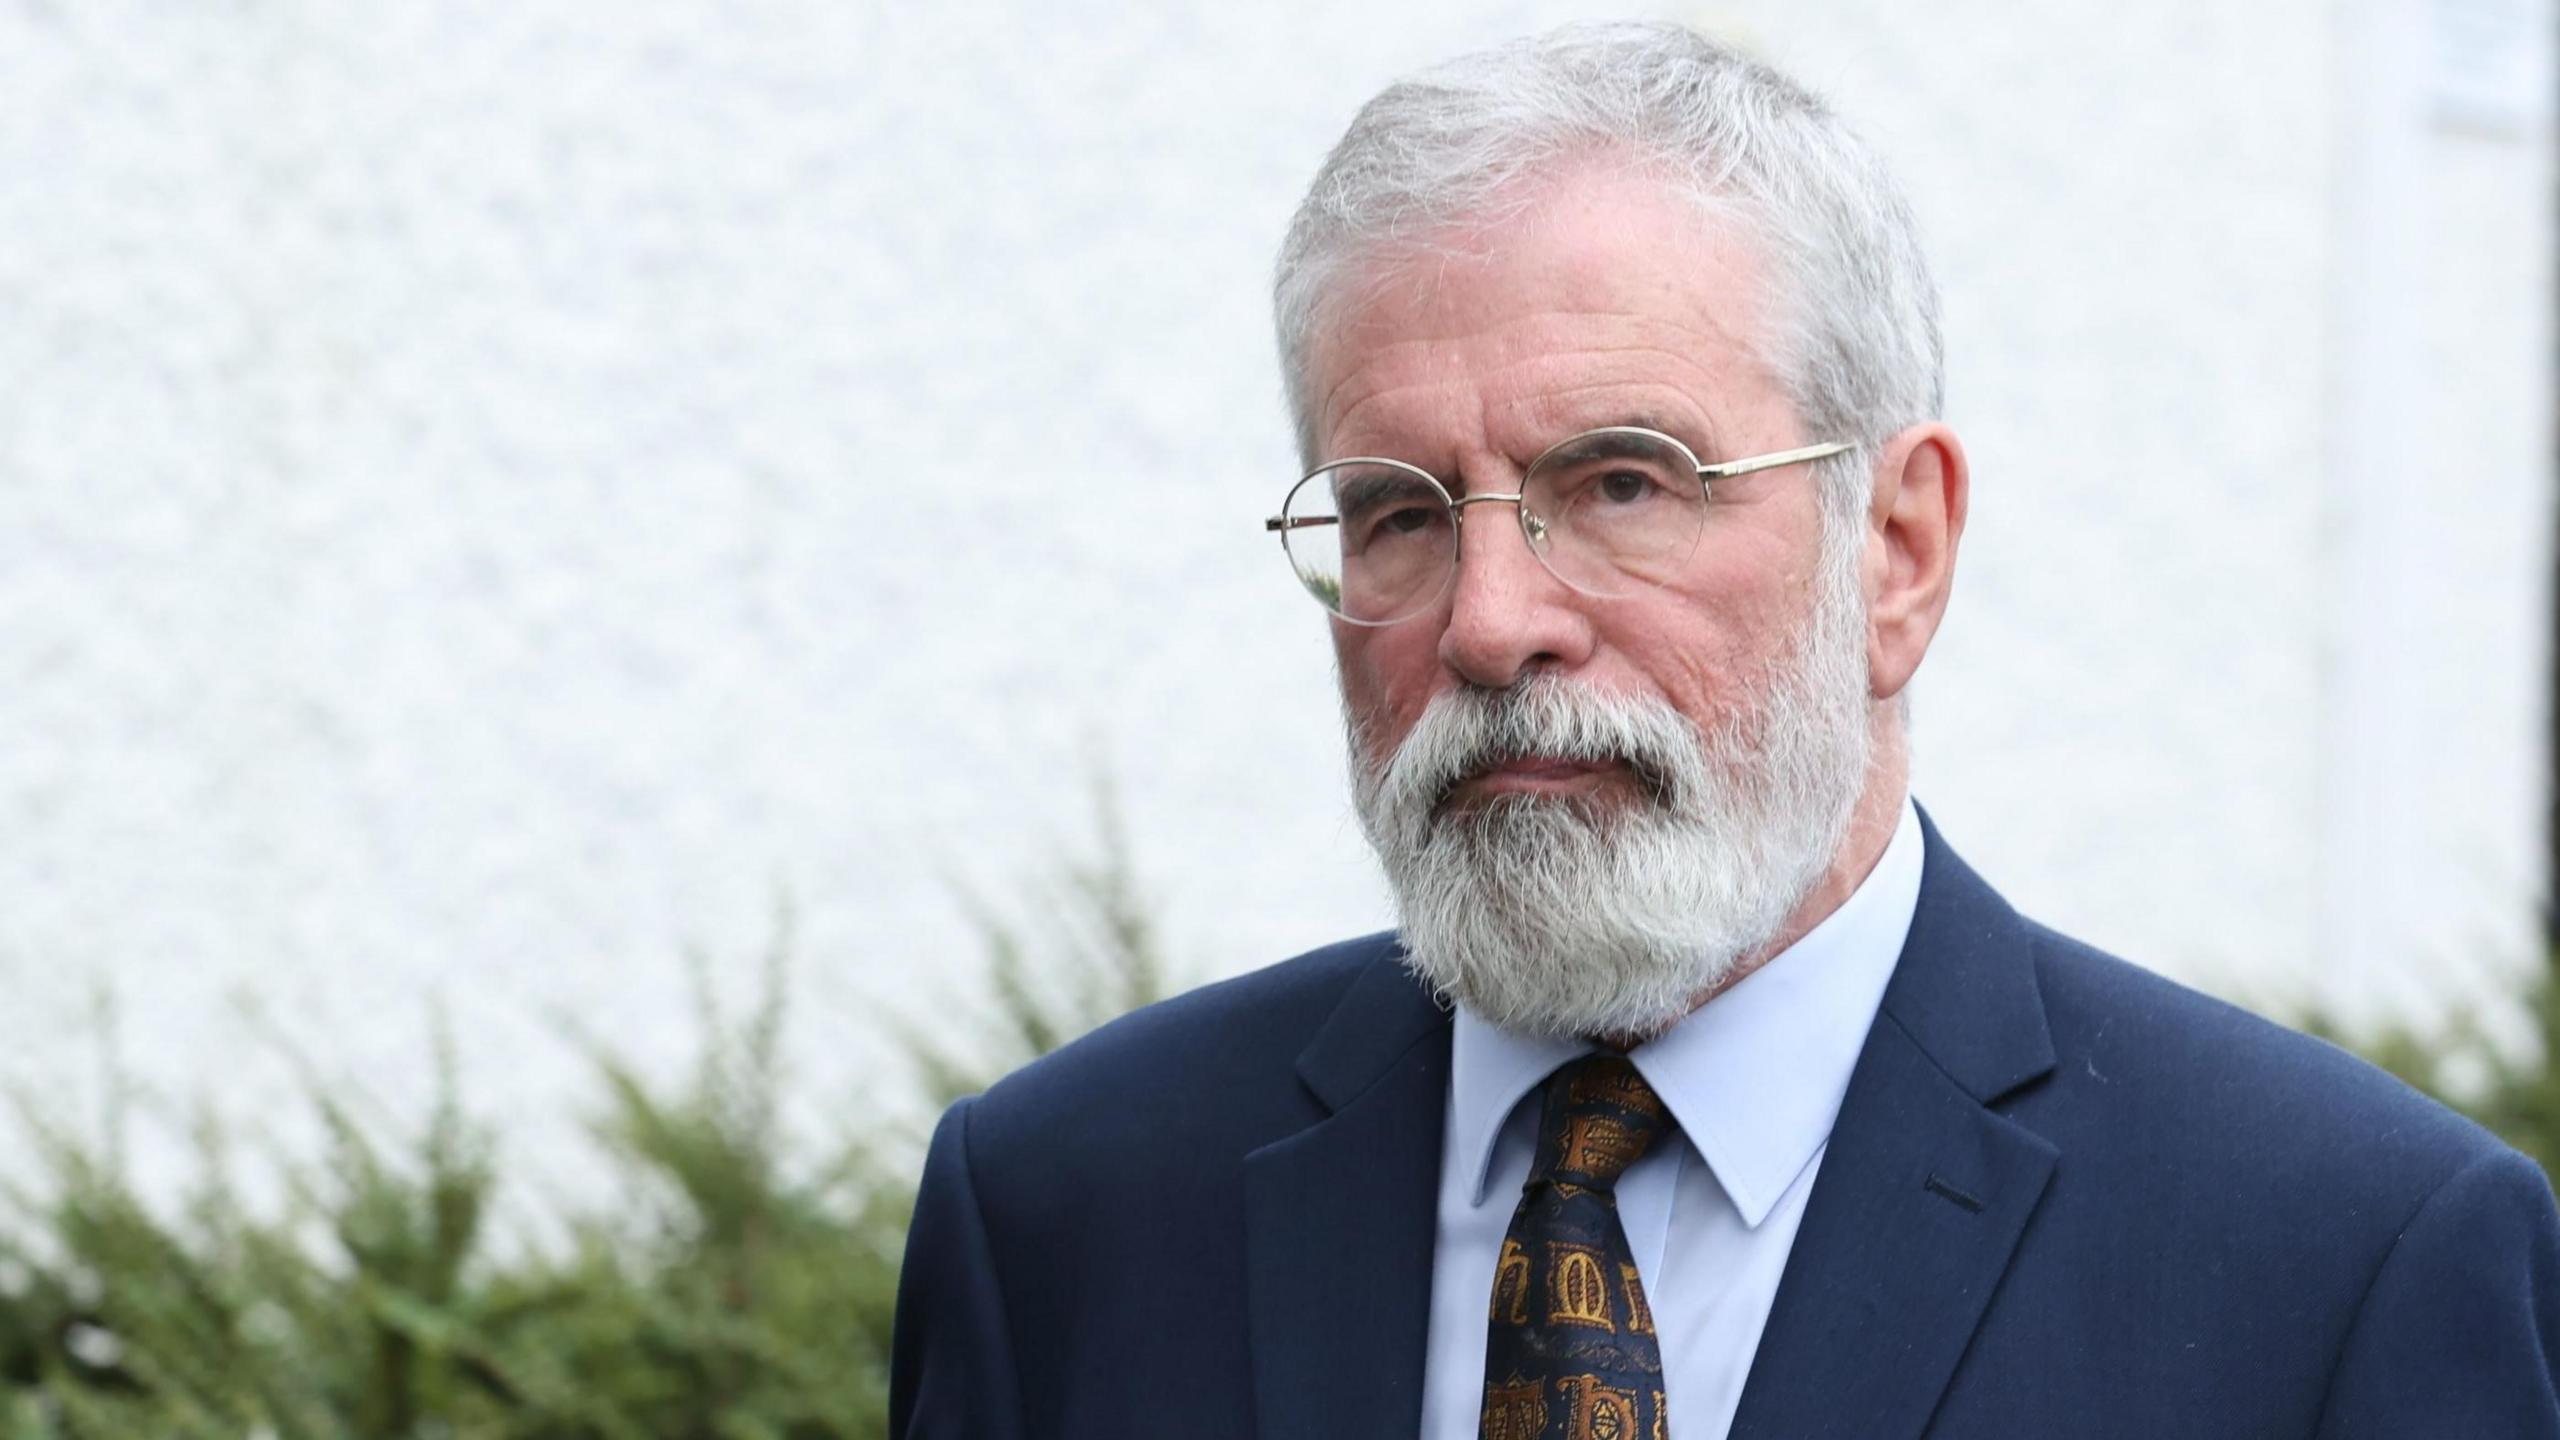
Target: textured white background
(495, 493)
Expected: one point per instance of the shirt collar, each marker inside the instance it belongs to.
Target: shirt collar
(1755, 1076)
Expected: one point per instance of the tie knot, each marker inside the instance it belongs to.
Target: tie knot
(1599, 1117)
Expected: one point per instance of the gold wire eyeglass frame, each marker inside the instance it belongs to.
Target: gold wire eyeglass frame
(1532, 528)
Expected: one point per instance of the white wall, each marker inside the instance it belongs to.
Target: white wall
(494, 493)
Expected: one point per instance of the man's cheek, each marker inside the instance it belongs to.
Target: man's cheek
(1370, 692)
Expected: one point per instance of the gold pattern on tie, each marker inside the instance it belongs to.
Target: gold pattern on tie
(1511, 1286)
(1570, 1350)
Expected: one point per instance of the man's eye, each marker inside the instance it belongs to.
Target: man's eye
(1625, 487)
(1399, 525)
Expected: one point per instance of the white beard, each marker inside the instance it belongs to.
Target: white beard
(1561, 916)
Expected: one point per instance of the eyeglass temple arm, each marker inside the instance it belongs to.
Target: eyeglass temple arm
(1299, 522)
(1771, 462)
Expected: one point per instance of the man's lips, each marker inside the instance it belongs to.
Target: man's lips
(1536, 775)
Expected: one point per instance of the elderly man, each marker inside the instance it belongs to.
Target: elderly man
(1703, 1090)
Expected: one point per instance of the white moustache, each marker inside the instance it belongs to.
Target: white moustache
(1468, 733)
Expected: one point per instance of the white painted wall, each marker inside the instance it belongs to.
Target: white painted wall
(491, 494)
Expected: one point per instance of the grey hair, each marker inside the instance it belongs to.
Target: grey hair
(1855, 330)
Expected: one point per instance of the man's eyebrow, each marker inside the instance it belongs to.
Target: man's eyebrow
(1359, 490)
(1697, 435)
(1603, 444)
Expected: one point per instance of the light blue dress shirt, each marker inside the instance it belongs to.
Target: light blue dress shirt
(1754, 1077)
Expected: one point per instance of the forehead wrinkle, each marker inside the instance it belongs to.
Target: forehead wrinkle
(1526, 336)
(1348, 423)
(1693, 404)
(1512, 351)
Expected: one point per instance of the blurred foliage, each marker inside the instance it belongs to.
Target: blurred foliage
(723, 1284)
(2514, 1091)
(1092, 953)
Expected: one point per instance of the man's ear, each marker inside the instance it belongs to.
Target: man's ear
(1915, 517)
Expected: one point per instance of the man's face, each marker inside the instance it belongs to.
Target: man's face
(1595, 811)
(1615, 304)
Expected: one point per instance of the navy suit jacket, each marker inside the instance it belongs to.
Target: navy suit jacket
(2064, 1197)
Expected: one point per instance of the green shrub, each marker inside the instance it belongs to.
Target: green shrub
(733, 1291)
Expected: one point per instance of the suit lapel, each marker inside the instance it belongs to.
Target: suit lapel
(1924, 1190)
(1340, 1223)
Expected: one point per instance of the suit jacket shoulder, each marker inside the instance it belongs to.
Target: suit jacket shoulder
(2161, 1081)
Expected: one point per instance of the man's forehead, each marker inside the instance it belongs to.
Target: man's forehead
(1522, 406)
(1638, 252)
(1612, 296)
(1532, 377)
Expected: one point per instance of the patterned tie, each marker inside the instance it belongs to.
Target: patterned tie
(1570, 1353)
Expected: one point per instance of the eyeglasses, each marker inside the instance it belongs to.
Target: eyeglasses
(1376, 541)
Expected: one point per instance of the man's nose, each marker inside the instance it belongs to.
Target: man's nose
(1508, 613)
